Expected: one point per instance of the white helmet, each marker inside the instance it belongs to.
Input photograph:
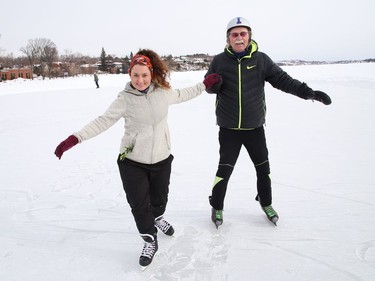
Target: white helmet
(236, 22)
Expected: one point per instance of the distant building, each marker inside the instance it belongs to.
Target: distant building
(88, 68)
(10, 74)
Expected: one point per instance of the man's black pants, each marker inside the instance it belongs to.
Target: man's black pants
(231, 142)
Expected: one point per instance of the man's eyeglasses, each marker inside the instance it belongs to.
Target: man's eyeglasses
(236, 34)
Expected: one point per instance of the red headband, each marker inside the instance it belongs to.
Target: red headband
(140, 59)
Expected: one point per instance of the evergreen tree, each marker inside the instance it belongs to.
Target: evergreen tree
(125, 65)
(103, 62)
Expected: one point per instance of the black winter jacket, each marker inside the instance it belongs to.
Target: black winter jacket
(240, 102)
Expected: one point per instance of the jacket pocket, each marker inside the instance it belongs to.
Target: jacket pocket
(128, 148)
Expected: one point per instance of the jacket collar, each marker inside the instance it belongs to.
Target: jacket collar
(129, 89)
(252, 48)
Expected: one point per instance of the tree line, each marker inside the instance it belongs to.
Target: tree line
(41, 54)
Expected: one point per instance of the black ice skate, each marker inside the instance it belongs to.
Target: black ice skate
(271, 214)
(269, 211)
(164, 226)
(150, 247)
(217, 217)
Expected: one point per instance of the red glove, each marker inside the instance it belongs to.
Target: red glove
(65, 145)
(212, 82)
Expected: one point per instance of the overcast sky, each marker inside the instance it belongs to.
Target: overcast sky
(284, 29)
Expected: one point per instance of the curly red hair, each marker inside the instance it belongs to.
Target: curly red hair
(160, 70)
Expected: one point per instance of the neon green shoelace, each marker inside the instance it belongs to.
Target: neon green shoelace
(218, 214)
(270, 211)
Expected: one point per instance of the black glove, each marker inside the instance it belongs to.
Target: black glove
(322, 97)
(307, 93)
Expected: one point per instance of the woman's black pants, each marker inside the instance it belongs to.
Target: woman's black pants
(146, 187)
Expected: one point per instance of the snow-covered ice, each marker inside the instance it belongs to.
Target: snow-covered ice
(68, 219)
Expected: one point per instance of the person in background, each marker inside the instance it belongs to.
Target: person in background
(241, 111)
(96, 79)
(145, 155)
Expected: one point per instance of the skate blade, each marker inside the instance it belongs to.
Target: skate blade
(274, 220)
(218, 223)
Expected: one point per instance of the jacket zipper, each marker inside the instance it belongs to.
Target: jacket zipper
(153, 129)
(239, 95)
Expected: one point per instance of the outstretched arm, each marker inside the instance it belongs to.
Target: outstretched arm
(281, 80)
(212, 81)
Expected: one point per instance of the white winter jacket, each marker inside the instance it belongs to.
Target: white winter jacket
(146, 138)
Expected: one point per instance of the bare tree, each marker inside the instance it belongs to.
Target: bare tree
(32, 52)
(42, 51)
(8, 61)
(49, 55)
